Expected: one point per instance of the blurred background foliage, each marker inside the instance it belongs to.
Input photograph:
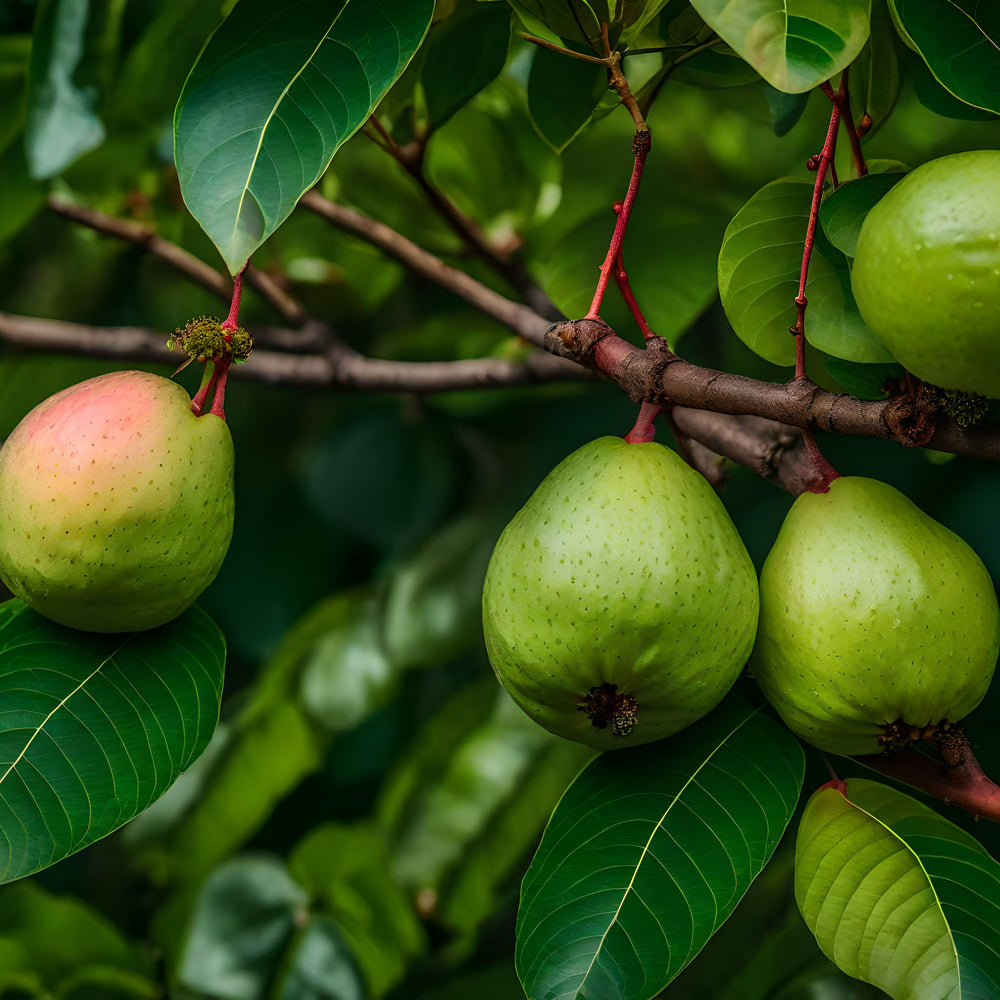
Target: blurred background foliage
(360, 822)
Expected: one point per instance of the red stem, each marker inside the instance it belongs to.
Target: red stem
(640, 147)
(229, 324)
(823, 165)
(621, 279)
(965, 785)
(219, 399)
(207, 383)
(643, 432)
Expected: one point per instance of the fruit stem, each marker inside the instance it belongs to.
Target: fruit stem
(207, 381)
(641, 143)
(229, 323)
(219, 399)
(823, 162)
(963, 785)
(643, 431)
(821, 472)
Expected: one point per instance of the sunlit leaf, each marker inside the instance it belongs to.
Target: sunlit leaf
(898, 896)
(94, 728)
(649, 851)
(794, 44)
(960, 42)
(275, 92)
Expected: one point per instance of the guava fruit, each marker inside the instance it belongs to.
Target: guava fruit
(875, 622)
(116, 503)
(619, 605)
(926, 275)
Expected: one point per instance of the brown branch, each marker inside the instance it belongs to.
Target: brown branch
(963, 785)
(655, 374)
(338, 365)
(523, 320)
(186, 263)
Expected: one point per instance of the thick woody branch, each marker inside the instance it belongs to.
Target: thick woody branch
(338, 365)
(519, 318)
(186, 263)
(655, 374)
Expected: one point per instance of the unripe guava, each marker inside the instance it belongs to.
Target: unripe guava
(620, 604)
(926, 274)
(116, 503)
(874, 620)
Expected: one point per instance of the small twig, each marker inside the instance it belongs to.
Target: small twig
(842, 98)
(186, 263)
(640, 147)
(515, 316)
(562, 50)
(625, 287)
(620, 84)
(822, 165)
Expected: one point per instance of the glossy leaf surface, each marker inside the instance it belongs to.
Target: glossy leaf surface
(843, 212)
(94, 728)
(759, 267)
(275, 92)
(794, 44)
(649, 851)
(898, 896)
(960, 42)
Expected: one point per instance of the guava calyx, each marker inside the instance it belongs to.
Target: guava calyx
(605, 706)
(204, 338)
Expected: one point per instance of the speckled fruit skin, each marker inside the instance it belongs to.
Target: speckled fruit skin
(926, 275)
(622, 568)
(116, 503)
(870, 612)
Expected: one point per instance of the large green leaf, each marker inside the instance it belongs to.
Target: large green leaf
(898, 896)
(843, 212)
(275, 92)
(573, 20)
(94, 728)
(759, 267)
(960, 42)
(564, 95)
(877, 74)
(794, 44)
(648, 853)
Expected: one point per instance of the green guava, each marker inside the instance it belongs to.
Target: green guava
(116, 503)
(876, 621)
(620, 604)
(926, 274)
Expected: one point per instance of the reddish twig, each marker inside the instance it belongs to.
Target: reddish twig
(963, 785)
(640, 147)
(823, 162)
(621, 279)
(643, 431)
(229, 324)
(842, 99)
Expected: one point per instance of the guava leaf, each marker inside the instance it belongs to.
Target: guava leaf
(898, 896)
(573, 20)
(649, 851)
(934, 96)
(563, 96)
(94, 728)
(785, 109)
(273, 95)
(843, 212)
(794, 44)
(877, 74)
(462, 55)
(759, 266)
(63, 83)
(960, 42)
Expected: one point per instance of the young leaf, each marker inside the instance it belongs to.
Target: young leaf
(273, 95)
(649, 851)
(563, 95)
(960, 42)
(95, 727)
(794, 44)
(897, 896)
(843, 212)
(759, 267)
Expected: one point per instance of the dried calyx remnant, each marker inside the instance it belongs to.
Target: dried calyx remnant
(205, 339)
(604, 706)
